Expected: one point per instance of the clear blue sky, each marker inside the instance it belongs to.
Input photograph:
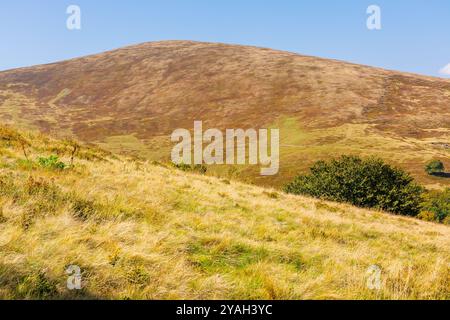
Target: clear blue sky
(415, 34)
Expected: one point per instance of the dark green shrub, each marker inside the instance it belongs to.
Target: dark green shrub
(362, 182)
(434, 166)
(52, 163)
(437, 205)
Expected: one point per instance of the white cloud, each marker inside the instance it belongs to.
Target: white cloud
(445, 70)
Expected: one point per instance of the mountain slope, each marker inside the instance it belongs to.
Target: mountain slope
(143, 231)
(132, 99)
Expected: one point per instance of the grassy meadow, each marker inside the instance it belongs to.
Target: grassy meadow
(140, 230)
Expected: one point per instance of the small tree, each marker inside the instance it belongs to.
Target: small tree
(16, 139)
(434, 166)
(74, 147)
(24, 144)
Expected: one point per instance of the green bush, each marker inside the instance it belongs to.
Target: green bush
(434, 166)
(362, 182)
(437, 205)
(51, 162)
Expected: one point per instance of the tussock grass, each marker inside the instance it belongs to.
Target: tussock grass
(142, 231)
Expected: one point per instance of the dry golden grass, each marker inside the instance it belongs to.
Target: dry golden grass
(145, 231)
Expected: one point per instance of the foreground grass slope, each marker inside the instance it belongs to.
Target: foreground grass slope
(149, 232)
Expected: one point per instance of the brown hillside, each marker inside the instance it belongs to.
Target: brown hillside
(131, 99)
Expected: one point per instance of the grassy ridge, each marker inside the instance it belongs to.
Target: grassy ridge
(150, 232)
